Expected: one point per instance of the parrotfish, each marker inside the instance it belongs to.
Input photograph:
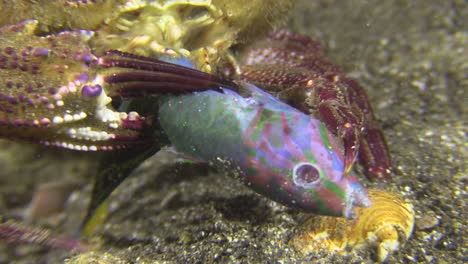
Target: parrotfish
(274, 148)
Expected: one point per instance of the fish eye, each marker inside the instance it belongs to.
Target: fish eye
(306, 175)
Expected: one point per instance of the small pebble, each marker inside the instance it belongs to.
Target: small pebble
(427, 222)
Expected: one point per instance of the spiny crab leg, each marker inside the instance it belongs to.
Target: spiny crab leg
(374, 151)
(12, 232)
(292, 67)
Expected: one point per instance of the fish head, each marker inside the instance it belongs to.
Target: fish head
(295, 160)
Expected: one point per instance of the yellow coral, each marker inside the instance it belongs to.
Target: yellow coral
(386, 224)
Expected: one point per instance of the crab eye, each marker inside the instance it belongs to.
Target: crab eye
(306, 175)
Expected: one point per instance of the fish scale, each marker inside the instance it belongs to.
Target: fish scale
(190, 128)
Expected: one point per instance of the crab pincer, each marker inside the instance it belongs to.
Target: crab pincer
(57, 92)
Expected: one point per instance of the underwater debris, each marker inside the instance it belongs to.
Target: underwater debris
(386, 226)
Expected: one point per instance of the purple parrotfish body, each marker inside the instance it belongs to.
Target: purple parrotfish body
(274, 148)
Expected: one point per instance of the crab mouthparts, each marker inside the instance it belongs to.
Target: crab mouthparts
(355, 196)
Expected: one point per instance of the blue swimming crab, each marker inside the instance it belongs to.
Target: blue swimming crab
(60, 72)
(64, 77)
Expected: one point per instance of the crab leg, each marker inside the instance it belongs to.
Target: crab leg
(374, 152)
(11, 232)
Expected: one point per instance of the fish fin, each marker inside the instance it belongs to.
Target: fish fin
(182, 158)
(188, 159)
(97, 219)
(261, 97)
(182, 61)
(115, 167)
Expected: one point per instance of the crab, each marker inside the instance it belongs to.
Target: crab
(63, 76)
(61, 73)
(58, 87)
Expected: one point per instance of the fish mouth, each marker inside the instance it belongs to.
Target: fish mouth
(355, 196)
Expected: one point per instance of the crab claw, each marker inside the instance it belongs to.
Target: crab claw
(56, 92)
(131, 75)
